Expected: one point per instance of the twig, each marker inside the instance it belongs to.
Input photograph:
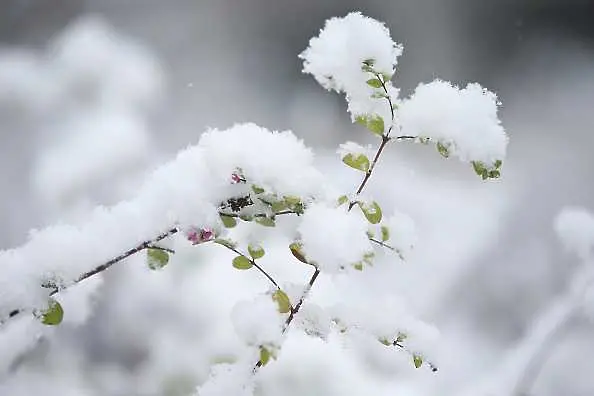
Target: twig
(103, 267)
(253, 262)
(392, 248)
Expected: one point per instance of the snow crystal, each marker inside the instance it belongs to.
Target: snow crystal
(575, 228)
(464, 120)
(333, 238)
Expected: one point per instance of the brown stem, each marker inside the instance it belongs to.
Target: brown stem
(104, 266)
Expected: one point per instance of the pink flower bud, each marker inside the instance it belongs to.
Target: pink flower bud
(201, 235)
(235, 178)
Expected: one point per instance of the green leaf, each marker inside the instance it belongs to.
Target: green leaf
(372, 212)
(282, 300)
(374, 82)
(385, 233)
(225, 242)
(265, 221)
(256, 251)
(246, 217)
(480, 169)
(257, 189)
(296, 250)
(443, 150)
(242, 263)
(277, 206)
(342, 200)
(357, 161)
(157, 258)
(228, 221)
(497, 164)
(264, 356)
(375, 124)
(385, 341)
(400, 338)
(417, 360)
(361, 120)
(494, 174)
(358, 266)
(53, 315)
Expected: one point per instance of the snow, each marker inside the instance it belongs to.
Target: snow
(333, 238)
(464, 120)
(173, 194)
(335, 57)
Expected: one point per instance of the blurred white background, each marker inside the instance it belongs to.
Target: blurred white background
(95, 93)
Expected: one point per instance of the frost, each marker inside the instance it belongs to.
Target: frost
(463, 120)
(575, 228)
(335, 57)
(333, 238)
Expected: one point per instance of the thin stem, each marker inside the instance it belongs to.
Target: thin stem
(392, 248)
(385, 139)
(253, 262)
(429, 364)
(104, 266)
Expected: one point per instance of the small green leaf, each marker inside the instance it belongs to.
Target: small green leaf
(225, 242)
(385, 341)
(497, 164)
(379, 95)
(494, 174)
(342, 200)
(361, 120)
(228, 221)
(372, 212)
(358, 266)
(282, 300)
(374, 82)
(264, 356)
(400, 338)
(417, 360)
(246, 217)
(53, 315)
(242, 263)
(157, 258)
(277, 206)
(375, 124)
(480, 169)
(296, 250)
(256, 251)
(265, 221)
(385, 233)
(443, 150)
(370, 234)
(257, 189)
(357, 161)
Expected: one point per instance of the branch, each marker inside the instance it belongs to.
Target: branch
(385, 139)
(253, 262)
(104, 266)
(392, 248)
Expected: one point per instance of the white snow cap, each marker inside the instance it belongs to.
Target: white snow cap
(333, 237)
(575, 228)
(464, 120)
(335, 57)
